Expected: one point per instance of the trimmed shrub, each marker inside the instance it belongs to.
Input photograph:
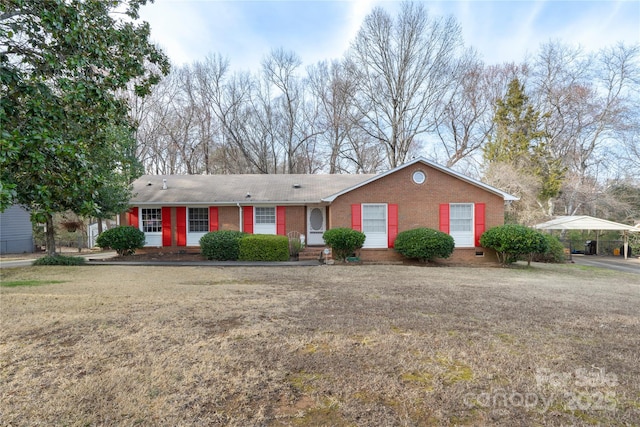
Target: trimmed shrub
(123, 239)
(264, 247)
(554, 252)
(513, 241)
(221, 245)
(60, 260)
(424, 244)
(344, 242)
(295, 246)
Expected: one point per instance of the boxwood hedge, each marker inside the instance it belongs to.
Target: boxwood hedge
(343, 241)
(123, 239)
(264, 247)
(221, 245)
(424, 244)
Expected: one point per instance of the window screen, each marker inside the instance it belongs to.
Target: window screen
(265, 215)
(198, 220)
(151, 220)
(374, 218)
(461, 217)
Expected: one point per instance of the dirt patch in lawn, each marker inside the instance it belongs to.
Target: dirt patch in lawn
(326, 345)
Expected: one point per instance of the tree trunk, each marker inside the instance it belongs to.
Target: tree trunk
(99, 226)
(50, 236)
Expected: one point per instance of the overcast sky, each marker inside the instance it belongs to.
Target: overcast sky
(501, 31)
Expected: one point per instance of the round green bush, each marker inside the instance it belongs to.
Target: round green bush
(554, 252)
(512, 241)
(264, 247)
(123, 239)
(343, 242)
(221, 245)
(424, 244)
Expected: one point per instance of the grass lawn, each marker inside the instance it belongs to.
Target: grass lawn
(326, 345)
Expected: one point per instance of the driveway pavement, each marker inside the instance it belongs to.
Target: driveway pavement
(618, 263)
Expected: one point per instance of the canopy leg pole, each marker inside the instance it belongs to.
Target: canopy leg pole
(625, 247)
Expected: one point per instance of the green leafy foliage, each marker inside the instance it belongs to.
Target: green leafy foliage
(512, 241)
(264, 247)
(343, 242)
(554, 252)
(66, 136)
(424, 244)
(221, 245)
(124, 240)
(59, 260)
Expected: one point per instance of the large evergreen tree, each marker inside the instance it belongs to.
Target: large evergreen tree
(519, 141)
(65, 133)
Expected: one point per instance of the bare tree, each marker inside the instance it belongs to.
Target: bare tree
(403, 69)
(346, 147)
(589, 103)
(295, 125)
(465, 118)
(153, 115)
(526, 186)
(243, 116)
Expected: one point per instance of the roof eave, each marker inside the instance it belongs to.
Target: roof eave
(230, 203)
(505, 196)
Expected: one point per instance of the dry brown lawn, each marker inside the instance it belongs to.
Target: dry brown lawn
(326, 345)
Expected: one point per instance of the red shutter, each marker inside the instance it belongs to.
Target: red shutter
(356, 217)
(247, 216)
(392, 220)
(181, 226)
(281, 221)
(444, 218)
(213, 218)
(166, 226)
(132, 217)
(479, 220)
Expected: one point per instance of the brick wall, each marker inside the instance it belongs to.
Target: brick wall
(296, 219)
(418, 205)
(228, 218)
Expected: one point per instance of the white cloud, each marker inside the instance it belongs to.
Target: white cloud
(245, 31)
(177, 27)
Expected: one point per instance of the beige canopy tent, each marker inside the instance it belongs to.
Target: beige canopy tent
(583, 222)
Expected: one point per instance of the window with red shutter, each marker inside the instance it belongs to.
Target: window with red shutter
(281, 220)
(166, 226)
(392, 231)
(356, 217)
(247, 214)
(181, 226)
(213, 218)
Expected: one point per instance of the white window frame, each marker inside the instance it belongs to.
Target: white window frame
(462, 238)
(376, 239)
(264, 227)
(152, 238)
(193, 237)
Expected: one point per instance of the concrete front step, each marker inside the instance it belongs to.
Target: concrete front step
(310, 254)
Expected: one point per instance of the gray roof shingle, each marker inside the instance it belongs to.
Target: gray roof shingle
(233, 189)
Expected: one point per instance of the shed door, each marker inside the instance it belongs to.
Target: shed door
(316, 224)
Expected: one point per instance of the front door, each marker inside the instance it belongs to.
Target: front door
(316, 225)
